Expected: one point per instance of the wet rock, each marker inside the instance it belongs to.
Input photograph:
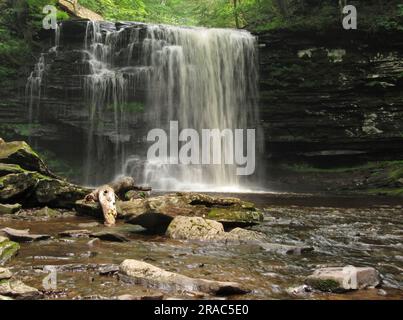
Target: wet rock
(18, 290)
(286, 249)
(75, 233)
(194, 228)
(58, 193)
(134, 194)
(9, 208)
(88, 208)
(47, 212)
(146, 297)
(341, 279)
(5, 273)
(16, 186)
(156, 213)
(236, 217)
(109, 269)
(4, 298)
(110, 236)
(94, 242)
(23, 235)
(8, 249)
(299, 291)
(142, 273)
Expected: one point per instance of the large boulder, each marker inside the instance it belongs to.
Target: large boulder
(142, 273)
(8, 249)
(58, 193)
(19, 290)
(9, 208)
(341, 279)
(195, 228)
(25, 178)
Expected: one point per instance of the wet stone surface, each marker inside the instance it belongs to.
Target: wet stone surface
(363, 237)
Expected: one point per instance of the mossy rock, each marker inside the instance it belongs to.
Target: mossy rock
(9, 208)
(20, 153)
(15, 185)
(58, 193)
(236, 216)
(325, 285)
(6, 169)
(8, 249)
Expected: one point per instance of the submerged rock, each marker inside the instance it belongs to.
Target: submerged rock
(110, 236)
(8, 249)
(75, 233)
(9, 208)
(18, 290)
(142, 273)
(341, 279)
(47, 212)
(24, 235)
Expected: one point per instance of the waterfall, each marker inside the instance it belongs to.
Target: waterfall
(202, 78)
(205, 79)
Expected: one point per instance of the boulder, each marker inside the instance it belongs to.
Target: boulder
(194, 228)
(18, 290)
(142, 273)
(5, 273)
(9, 208)
(341, 279)
(58, 193)
(16, 186)
(47, 212)
(8, 249)
(23, 235)
(20, 153)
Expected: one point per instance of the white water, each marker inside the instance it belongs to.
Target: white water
(202, 78)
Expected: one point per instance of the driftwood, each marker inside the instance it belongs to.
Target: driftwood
(106, 195)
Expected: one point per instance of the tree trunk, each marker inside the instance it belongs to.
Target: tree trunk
(236, 15)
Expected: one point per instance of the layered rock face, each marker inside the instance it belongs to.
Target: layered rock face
(332, 98)
(327, 99)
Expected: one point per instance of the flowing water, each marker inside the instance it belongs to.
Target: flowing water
(202, 78)
(342, 231)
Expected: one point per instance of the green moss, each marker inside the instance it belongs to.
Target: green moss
(8, 249)
(235, 215)
(325, 285)
(393, 192)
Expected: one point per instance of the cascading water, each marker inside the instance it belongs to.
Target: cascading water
(202, 78)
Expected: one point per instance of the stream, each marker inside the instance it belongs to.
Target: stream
(361, 234)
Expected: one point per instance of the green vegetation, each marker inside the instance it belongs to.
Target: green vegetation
(257, 15)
